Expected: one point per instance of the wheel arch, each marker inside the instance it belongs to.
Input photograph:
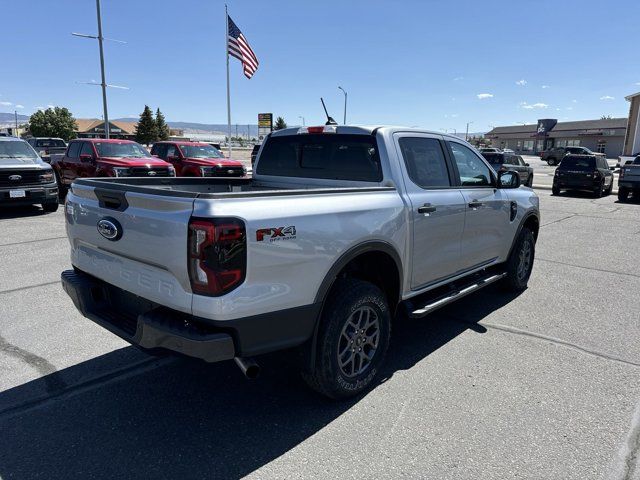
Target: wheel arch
(375, 261)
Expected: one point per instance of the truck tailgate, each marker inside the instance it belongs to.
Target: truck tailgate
(148, 254)
(631, 173)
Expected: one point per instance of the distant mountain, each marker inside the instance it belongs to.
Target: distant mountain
(192, 127)
(9, 117)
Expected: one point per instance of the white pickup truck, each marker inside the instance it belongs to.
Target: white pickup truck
(341, 231)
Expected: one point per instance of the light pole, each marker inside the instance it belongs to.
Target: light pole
(15, 114)
(344, 120)
(104, 83)
(466, 135)
(300, 116)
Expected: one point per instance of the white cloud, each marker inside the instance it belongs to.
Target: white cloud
(528, 106)
(19, 106)
(569, 108)
(637, 83)
(457, 79)
(545, 86)
(607, 97)
(574, 101)
(454, 115)
(6, 104)
(484, 95)
(40, 108)
(51, 106)
(557, 109)
(522, 82)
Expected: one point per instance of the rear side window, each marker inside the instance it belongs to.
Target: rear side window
(425, 161)
(494, 158)
(74, 149)
(326, 156)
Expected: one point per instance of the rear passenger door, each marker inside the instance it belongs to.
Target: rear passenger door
(487, 208)
(71, 161)
(437, 208)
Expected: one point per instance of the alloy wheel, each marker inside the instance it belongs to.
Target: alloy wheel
(358, 341)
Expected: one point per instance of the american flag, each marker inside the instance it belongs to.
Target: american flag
(239, 48)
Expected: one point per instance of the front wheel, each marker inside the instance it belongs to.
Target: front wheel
(551, 162)
(530, 181)
(50, 207)
(555, 190)
(352, 340)
(623, 194)
(520, 262)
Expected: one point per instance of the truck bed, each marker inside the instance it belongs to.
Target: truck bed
(211, 187)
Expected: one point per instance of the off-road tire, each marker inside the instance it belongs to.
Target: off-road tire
(517, 273)
(347, 297)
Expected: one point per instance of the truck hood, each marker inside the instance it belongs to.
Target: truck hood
(134, 162)
(212, 162)
(22, 164)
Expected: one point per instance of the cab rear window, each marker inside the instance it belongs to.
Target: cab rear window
(577, 163)
(325, 156)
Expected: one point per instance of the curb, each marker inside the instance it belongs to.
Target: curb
(548, 187)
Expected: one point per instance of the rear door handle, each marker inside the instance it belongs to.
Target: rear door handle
(426, 208)
(475, 204)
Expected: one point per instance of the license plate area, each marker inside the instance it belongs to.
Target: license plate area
(17, 193)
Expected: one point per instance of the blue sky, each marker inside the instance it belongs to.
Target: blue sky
(436, 65)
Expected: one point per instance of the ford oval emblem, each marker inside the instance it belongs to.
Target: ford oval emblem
(15, 178)
(110, 229)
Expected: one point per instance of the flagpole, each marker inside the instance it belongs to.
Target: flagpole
(226, 36)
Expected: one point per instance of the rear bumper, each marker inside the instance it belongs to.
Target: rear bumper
(141, 323)
(149, 325)
(577, 184)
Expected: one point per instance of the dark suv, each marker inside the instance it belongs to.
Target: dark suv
(556, 154)
(583, 172)
(507, 161)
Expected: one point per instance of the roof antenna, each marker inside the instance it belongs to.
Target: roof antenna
(330, 121)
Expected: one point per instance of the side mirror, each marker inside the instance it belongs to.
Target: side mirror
(85, 157)
(509, 179)
(526, 165)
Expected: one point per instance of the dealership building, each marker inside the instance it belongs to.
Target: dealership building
(606, 136)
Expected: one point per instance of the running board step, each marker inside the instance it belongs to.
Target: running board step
(455, 295)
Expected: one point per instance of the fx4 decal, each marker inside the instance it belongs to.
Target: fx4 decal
(274, 234)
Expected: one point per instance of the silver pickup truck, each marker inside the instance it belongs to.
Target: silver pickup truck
(341, 231)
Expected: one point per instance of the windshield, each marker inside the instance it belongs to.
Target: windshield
(200, 151)
(131, 150)
(575, 163)
(50, 142)
(20, 151)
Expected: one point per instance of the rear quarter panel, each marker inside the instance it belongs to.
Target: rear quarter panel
(287, 272)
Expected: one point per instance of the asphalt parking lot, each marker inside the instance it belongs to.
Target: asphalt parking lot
(542, 385)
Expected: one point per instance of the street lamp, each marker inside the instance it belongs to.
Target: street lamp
(466, 135)
(103, 84)
(300, 116)
(344, 120)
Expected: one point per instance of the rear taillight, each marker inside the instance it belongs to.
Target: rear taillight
(622, 172)
(217, 255)
(320, 129)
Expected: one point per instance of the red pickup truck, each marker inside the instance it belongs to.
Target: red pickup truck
(195, 159)
(97, 157)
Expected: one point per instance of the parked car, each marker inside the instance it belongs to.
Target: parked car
(195, 159)
(629, 181)
(98, 157)
(555, 155)
(254, 154)
(24, 178)
(583, 172)
(490, 150)
(340, 229)
(508, 150)
(626, 160)
(505, 161)
(47, 146)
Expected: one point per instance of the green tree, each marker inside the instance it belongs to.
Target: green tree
(53, 122)
(163, 128)
(280, 124)
(146, 130)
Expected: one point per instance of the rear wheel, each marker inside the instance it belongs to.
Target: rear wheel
(352, 340)
(520, 262)
(599, 191)
(623, 194)
(551, 161)
(555, 190)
